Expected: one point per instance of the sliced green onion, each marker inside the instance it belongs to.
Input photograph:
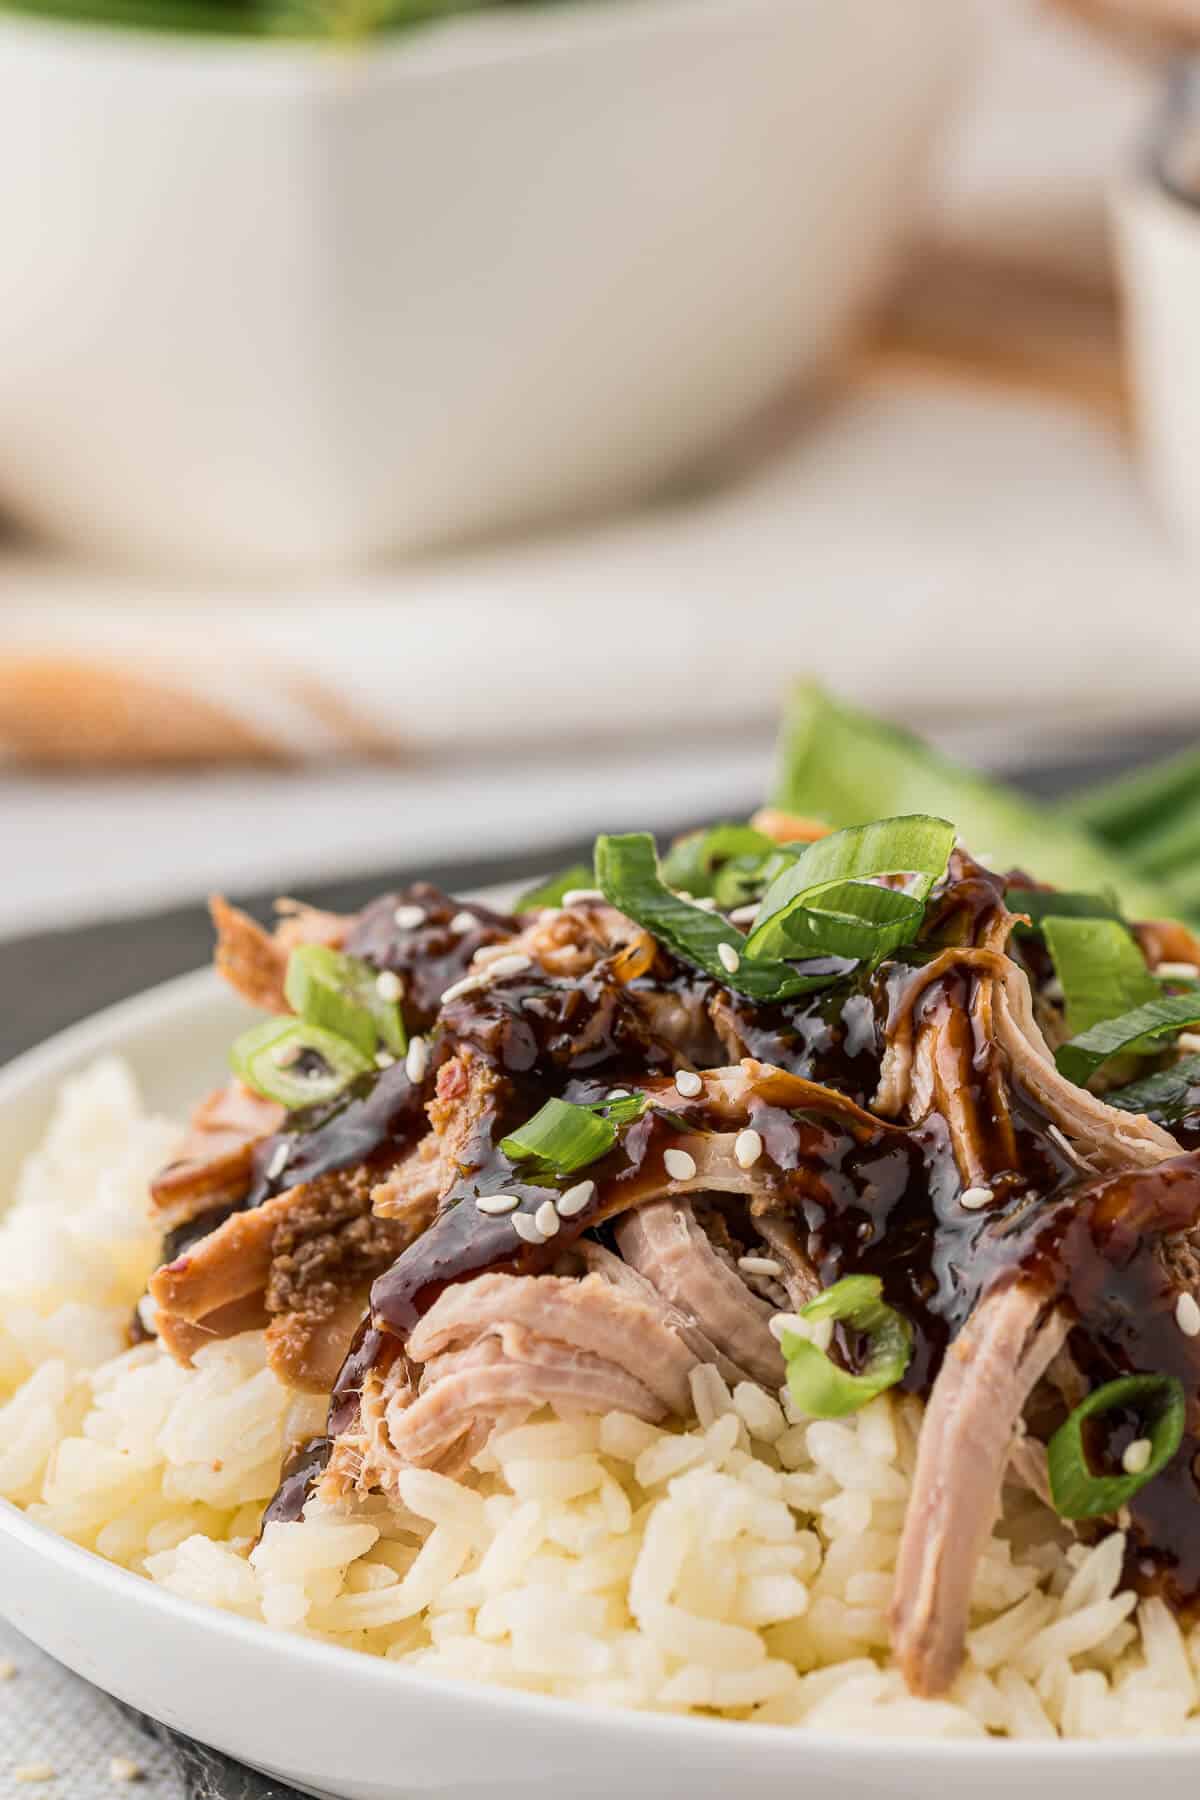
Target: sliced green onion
(562, 1136)
(819, 1387)
(1102, 970)
(1167, 1095)
(1140, 1029)
(622, 1111)
(295, 1063)
(1078, 1493)
(1039, 905)
(696, 863)
(342, 994)
(847, 767)
(550, 892)
(627, 872)
(825, 903)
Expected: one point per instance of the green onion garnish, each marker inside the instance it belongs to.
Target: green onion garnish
(295, 1063)
(1102, 970)
(1078, 1493)
(627, 872)
(1059, 904)
(550, 892)
(622, 1111)
(347, 996)
(1140, 1029)
(824, 901)
(562, 1136)
(1167, 1094)
(845, 767)
(721, 863)
(819, 1386)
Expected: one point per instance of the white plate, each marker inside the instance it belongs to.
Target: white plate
(334, 1722)
(273, 307)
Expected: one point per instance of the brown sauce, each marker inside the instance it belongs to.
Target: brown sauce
(864, 1195)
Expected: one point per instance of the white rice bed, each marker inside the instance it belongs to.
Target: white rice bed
(743, 1566)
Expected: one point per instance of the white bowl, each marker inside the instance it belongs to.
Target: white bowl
(1158, 246)
(332, 1721)
(267, 307)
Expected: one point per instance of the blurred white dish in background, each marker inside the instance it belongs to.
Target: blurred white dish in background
(268, 307)
(1158, 241)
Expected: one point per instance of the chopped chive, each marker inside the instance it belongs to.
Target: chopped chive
(343, 994)
(819, 1386)
(294, 1062)
(1079, 1493)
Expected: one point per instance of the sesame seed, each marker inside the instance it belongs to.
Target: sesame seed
(1136, 1459)
(679, 1165)
(760, 1265)
(1187, 1315)
(575, 896)
(278, 1162)
(1178, 971)
(468, 985)
(814, 1331)
(416, 1060)
(513, 964)
(688, 1083)
(409, 917)
(575, 1199)
(742, 915)
(706, 903)
(546, 1218)
(1189, 1041)
(747, 1147)
(619, 1094)
(384, 1059)
(463, 921)
(495, 1204)
(975, 1197)
(7, 1670)
(487, 954)
(729, 958)
(41, 1771)
(389, 986)
(526, 1227)
(123, 1768)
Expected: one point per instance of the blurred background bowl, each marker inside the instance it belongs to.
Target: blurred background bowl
(268, 307)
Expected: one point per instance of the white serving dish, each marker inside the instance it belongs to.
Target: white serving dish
(361, 1729)
(266, 308)
(1158, 245)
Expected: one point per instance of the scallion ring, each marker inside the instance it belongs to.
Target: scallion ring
(562, 1136)
(1077, 1492)
(347, 996)
(294, 1062)
(825, 900)
(818, 1385)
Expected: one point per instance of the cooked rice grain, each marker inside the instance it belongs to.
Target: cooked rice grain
(742, 1567)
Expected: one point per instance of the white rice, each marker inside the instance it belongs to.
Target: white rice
(741, 1567)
